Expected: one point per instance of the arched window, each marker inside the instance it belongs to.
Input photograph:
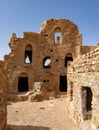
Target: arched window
(46, 62)
(28, 54)
(23, 82)
(57, 36)
(68, 58)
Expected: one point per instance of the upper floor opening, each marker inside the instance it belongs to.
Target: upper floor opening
(68, 58)
(28, 54)
(57, 36)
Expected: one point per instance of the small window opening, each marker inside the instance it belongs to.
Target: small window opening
(44, 81)
(56, 60)
(58, 39)
(47, 81)
(47, 62)
(68, 58)
(46, 36)
(63, 84)
(57, 36)
(28, 54)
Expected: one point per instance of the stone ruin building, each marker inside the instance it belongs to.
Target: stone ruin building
(42, 58)
(53, 63)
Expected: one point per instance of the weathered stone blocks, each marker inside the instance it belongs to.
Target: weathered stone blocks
(3, 104)
(85, 79)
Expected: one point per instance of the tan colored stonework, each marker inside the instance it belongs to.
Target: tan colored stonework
(3, 110)
(73, 69)
(83, 72)
(43, 46)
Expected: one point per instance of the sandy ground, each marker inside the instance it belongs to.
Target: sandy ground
(46, 115)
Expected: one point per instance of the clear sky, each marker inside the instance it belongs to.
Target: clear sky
(20, 16)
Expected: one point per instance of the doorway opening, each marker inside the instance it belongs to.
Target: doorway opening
(88, 99)
(87, 102)
(23, 84)
(68, 58)
(63, 84)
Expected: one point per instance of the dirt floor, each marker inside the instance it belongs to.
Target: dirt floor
(46, 115)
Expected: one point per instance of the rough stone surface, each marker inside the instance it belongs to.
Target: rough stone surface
(38, 93)
(83, 72)
(3, 110)
(44, 46)
(53, 63)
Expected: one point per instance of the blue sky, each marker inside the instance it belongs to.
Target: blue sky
(20, 16)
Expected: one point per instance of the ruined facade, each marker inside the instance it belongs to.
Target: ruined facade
(3, 107)
(56, 62)
(42, 58)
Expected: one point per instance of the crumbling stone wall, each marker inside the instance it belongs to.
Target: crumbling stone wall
(58, 39)
(83, 76)
(55, 61)
(85, 49)
(3, 111)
